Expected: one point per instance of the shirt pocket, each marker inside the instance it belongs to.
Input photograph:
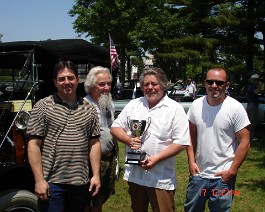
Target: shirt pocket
(160, 128)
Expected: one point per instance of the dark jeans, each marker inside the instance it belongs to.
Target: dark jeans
(65, 198)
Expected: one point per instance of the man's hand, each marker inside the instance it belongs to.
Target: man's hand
(149, 162)
(227, 176)
(135, 143)
(94, 185)
(194, 169)
(42, 189)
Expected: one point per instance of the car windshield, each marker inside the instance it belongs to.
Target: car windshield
(12, 85)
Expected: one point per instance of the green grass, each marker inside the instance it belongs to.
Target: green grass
(250, 182)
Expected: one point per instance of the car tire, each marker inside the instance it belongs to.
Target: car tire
(18, 200)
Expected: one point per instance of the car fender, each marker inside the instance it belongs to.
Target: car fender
(18, 200)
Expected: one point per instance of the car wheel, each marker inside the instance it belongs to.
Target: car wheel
(19, 201)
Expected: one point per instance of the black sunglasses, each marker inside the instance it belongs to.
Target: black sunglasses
(217, 82)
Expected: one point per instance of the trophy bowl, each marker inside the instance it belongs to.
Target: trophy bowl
(137, 127)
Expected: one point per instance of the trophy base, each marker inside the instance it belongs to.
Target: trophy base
(135, 157)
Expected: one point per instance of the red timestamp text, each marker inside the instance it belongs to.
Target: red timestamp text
(219, 192)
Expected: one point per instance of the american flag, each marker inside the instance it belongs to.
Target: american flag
(114, 57)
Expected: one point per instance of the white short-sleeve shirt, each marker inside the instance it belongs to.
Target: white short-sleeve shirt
(169, 124)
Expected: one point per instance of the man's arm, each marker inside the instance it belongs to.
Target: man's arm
(194, 90)
(191, 150)
(243, 138)
(35, 161)
(95, 158)
(171, 150)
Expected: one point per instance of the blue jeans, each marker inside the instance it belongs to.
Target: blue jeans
(65, 197)
(218, 193)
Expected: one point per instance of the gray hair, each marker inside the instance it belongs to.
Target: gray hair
(91, 78)
(159, 73)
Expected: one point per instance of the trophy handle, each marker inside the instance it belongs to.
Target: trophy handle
(128, 122)
(147, 125)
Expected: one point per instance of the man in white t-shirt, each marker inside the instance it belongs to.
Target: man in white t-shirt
(190, 89)
(219, 130)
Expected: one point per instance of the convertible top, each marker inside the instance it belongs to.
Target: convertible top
(13, 54)
(36, 59)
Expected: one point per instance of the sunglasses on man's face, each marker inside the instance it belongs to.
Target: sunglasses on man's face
(217, 82)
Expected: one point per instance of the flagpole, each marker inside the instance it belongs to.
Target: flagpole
(110, 55)
(114, 57)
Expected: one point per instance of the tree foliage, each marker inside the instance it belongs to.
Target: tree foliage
(187, 37)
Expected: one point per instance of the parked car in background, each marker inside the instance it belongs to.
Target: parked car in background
(25, 77)
(178, 86)
(177, 91)
(241, 96)
(129, 89)
(201, 91)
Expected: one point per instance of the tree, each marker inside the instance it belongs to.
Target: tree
(189, 45)
(133, 25)
(212, 33)
(187, 37)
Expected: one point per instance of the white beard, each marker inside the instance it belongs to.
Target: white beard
(106, 103)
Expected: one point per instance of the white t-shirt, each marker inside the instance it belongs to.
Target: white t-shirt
(190, 90)
(169, 124)
(216, 133)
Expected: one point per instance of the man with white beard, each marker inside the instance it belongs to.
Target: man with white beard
(97, 87)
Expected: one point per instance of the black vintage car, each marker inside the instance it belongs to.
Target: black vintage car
(25, 77)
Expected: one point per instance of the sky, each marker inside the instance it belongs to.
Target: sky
(35, 20)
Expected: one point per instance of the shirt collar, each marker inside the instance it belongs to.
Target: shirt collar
(165, 101)
(58, 100)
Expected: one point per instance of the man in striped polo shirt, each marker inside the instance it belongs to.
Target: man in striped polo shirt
(63, 136)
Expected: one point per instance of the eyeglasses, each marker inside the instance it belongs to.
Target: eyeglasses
(217, 82)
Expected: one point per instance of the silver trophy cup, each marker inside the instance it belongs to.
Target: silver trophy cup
(138, 129)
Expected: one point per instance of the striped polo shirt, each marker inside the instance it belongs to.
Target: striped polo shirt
(65, 131)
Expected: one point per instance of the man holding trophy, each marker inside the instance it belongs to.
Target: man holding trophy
(155, 129)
